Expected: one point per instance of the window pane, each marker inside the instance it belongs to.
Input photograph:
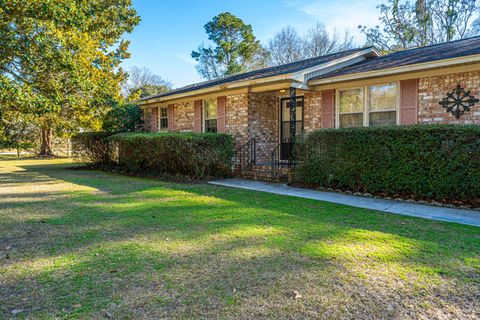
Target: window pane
(351, 120)
(388, 118)
(163, 112)
(351, 100)
(286, 110)
(211, 125)
(210, 109)
(163, 123)
(286, 130)
(382, 97)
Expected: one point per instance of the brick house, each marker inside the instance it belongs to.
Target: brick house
(265, 109)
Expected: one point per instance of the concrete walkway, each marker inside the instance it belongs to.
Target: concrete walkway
(391, 206)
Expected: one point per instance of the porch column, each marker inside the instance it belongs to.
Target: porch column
(293, 114)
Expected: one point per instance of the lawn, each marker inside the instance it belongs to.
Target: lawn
(88, 244)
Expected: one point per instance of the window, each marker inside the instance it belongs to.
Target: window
(210, 115)
(377, 108)
(163, 118)
(382, 105)
(350, 108)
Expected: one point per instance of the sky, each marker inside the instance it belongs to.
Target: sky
(171, 29)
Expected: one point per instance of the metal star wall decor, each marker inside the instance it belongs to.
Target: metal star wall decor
(458, 101)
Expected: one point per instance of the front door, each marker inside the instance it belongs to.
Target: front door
(286, 147)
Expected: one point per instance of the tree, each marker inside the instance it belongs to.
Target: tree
(123, 117)
(318, 41)
(60, 61)
(142, 82)
(425, 22)
(286, 46)
(235, 47)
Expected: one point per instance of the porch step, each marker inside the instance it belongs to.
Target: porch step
(266, 176)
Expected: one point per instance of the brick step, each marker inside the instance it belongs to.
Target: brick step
(263, 176)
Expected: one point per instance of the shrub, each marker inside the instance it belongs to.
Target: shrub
(123, 118)
(93, 148)
(196, 155)
(440, 162)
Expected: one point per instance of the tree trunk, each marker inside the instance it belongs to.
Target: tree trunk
(46, 143)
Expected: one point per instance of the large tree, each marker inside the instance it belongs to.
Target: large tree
(234, 48)
(406, 24)
(59, 62)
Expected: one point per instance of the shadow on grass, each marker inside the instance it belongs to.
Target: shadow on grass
(187, 247)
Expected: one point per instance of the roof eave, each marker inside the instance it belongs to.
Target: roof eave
(295, 77)
(397, 70)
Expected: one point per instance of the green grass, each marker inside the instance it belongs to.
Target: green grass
(88, 244)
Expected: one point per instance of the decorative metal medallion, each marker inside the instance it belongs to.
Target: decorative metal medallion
(458, 101)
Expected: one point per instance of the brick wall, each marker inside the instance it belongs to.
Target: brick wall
(431, 90)
(236, 117)
(263, 123)
(150, 119)
(312, 111)
(184, 117)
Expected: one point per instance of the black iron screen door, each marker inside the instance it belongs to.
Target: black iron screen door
(286, 146)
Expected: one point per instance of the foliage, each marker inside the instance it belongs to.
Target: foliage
(123, 117)
(289, 46)
(423, 22)
(235, 47)
(59, 61)
(197, 155)
(141, 82)
(440, 162)
(93, 148)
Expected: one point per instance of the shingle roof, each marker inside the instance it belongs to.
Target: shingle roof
(453, 49)
(262, 73)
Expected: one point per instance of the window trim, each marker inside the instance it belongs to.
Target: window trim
(204, 113)
(366, 112)
(160, 129)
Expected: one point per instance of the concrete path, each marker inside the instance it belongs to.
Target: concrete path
(461, 216)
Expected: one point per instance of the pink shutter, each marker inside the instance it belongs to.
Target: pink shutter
(408, 101)
(171, 117)
(154, 120)
(197, 116)
(328, 107)
(221, 111)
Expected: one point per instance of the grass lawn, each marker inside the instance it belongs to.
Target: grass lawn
(87, 244)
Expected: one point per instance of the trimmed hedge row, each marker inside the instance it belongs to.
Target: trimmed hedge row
(196, 155)
(93, 148)
(440, 162)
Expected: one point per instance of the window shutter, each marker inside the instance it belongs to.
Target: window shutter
(154, 120)
(171, 117)
(197, 116)
(408, 101)
(221, 113)
(328, 107)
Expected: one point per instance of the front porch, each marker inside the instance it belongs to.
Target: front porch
(276, 119)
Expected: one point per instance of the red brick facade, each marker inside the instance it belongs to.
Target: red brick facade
(431, 90)
(257, 115)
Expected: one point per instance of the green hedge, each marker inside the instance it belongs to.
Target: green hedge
(440, 162)
(93, 148)
(196, 155)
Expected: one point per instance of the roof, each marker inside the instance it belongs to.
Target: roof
(442, 51)
(261, 73)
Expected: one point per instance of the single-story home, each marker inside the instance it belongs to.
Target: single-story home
(266, 109)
